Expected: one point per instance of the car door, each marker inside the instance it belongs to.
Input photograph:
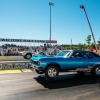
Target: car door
(78, 60)
(92, 58)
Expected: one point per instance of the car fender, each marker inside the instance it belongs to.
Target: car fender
(96, 65)
(90, 68)
(53, 63)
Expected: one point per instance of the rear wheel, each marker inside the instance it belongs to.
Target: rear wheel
(95, 71)
(39, 72)
(51, 72)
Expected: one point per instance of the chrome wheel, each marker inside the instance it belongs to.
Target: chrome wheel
(97, 70)
(52, 72)
(28, 56)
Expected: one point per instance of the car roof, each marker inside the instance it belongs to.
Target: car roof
(66, 50)
(76, 50)
(80, 50)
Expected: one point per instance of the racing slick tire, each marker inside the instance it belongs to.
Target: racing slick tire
(95, 71)
(28, 56)
(39, 72)
(51, 72)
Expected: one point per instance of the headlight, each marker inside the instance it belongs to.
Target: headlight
(38, 63)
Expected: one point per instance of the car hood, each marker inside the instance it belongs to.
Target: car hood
(47, 57)
(36, 58)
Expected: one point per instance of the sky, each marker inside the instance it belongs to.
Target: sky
(30, 19)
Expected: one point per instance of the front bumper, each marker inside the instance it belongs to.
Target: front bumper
(34, 66)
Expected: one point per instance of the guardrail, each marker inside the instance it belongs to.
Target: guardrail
(12, 58)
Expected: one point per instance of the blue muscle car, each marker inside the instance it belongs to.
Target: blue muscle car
(67, 60)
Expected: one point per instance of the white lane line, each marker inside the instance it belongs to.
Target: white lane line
(79, 95)
(16, 79)
(35, 85)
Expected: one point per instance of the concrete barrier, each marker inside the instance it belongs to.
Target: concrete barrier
(6, 65)
(12, 58)
(14, 62)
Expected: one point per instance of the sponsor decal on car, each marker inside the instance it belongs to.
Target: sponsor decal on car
(82, 69)
(90, 68)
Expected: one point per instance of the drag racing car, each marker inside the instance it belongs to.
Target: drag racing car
(28, 55)
(40, 54)
(67, 60)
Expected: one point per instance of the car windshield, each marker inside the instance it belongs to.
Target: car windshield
(42, 53)
(63, 53)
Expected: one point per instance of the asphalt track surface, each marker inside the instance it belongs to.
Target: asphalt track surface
(31, 86)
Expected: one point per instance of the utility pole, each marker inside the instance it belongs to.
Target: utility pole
(50, 4)
(82, 7)
(71, 44)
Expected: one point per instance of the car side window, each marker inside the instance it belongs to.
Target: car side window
(89, 55)
(41, 53)
(78, 55)
(94, 54)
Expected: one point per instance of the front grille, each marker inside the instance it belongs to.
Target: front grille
(35, 62)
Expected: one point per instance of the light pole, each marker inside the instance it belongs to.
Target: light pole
(50, 4)
(71, 44)
(82, 7)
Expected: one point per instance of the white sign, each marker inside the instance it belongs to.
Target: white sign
(15, 66)
(22, 40)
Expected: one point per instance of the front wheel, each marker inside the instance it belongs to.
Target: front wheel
(51, 72)
(28, 55)
(95, 71)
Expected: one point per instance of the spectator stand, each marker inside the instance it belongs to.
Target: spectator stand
(13, 49)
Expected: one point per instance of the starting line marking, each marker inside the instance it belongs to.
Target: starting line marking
(14, 71)
(26, 70)
(9, 71)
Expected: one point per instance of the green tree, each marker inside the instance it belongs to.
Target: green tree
(92, 46)
(88, 40)
(84, 46)
(80, 46)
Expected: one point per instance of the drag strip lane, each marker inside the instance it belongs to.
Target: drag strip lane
(31, 86)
